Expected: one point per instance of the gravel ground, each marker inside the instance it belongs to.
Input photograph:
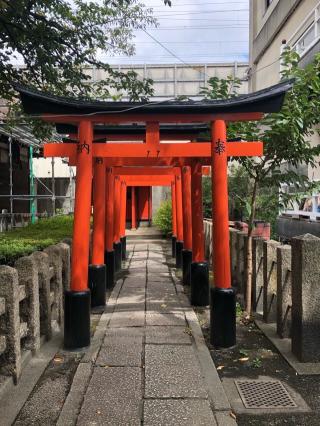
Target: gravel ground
(253, 356)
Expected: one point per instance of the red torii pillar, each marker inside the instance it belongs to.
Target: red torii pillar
(174, 218)
(223, 300)
(109, 252)
(179, 243)
(97, 269)
(78, 299)
(187, 224)
(199, 271)
(116, 223)
(133, 208)
(123, 219)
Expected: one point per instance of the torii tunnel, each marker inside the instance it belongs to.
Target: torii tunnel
(118, 144)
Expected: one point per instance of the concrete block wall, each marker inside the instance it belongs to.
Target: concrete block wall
(285, 287)
(31, 303)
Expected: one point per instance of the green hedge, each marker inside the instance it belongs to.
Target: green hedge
(163, 217)
(24, 241)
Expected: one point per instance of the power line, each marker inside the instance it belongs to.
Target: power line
(194, 28)
(196, 4)
(191, 12)
(193, 42)
(168, 50)
(192, 55)
(196, 19)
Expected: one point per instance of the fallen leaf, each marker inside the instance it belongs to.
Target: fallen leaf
(220, 367)
(233, 415)
(188, 331)
(244, 359)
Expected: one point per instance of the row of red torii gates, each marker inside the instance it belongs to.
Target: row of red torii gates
(110, 155)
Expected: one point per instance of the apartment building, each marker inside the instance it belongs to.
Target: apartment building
(273, 25)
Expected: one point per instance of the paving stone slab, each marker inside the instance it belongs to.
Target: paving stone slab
(164, 307)
(178, 413)
(157, 265)
(157, 318)
(134, 270)
(160, 285)
(134, 285)
(158, 276)
(138, 263)
(162, 297)
(134, 282)
(140, 249)
(172, 372)
(129, 299)
(112, 398)
(158, 269)
(121, 352)
(156, 254)
(129, 307)
(134, 334)
(167, 335)
(127, 319)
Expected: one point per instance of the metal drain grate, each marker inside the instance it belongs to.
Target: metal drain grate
(264, 394)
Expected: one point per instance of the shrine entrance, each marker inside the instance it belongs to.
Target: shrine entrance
(109, 136)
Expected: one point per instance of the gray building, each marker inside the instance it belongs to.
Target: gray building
(275, 24)
(174, 80)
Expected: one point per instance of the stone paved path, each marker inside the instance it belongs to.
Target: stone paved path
(147, 363)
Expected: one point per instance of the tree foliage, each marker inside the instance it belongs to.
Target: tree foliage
(286, 136)
(58, 39)
(163, 217)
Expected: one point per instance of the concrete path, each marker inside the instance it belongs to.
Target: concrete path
(148, 363)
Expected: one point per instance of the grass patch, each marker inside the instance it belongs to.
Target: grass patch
(23, 241)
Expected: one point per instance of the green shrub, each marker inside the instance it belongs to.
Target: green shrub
(163, 217)
(23, 241)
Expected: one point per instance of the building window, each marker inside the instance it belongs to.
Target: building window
(268, 2)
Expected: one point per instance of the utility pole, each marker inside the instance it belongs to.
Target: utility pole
(53, 189)
(11, 183)
(32, 187)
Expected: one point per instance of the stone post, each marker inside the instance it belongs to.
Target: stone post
(56, 286)
(9, 289)
(42, 262)
(66, 265)
(270, 280)
(257, 274)
(306, 298)
(284, 301)
(233, 254)
(240, 262)
(29, 308)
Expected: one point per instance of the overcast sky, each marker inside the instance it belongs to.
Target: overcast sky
(195, 31)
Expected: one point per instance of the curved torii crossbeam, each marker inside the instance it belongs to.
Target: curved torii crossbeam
(87, 115)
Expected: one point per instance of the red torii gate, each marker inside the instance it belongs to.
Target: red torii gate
(85, 115)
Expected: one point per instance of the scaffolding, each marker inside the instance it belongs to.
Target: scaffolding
(9, 219)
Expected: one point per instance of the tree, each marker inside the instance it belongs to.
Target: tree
(286, 140)
(58, 39)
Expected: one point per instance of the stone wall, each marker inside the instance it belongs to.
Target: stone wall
(31, 303)
(286, 286)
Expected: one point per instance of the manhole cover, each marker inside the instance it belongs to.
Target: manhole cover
(264, 394)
